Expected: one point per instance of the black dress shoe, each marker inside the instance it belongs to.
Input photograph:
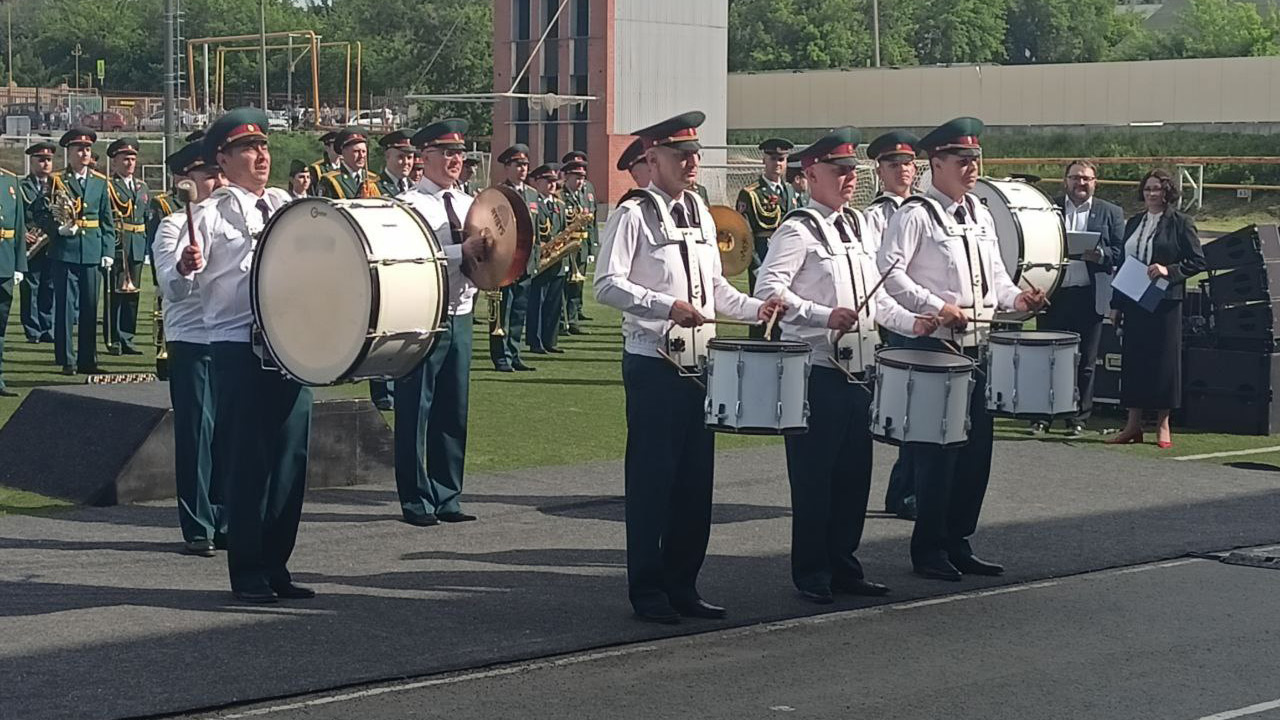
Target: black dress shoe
(555, 351)
(455, 517)
(700, 609)
(859, 586)
(575, 330)
(113, 350)
(68, 370)
(663, 615)
(818, 597)
(504, 368)
(937, 569)
(521, 367)
(89, 370)
(974, 565)
(201, 548)
(289, 591)
(130, 351)
(537, 351)
(385, 405)
(421, 520)
(220, 541)
(46, 338)
(6, 392)
(583, 318)
(907, 509)
(33, 339)
(257, 597)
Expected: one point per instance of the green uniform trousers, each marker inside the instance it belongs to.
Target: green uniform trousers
(505, 350)
(37, 299)
(267, 418)
(124, 306)
(6, 302)
(200, 492)
(75, 303)
(829, 469)
(431, 424)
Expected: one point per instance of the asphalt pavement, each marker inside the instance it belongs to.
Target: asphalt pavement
(101, 618)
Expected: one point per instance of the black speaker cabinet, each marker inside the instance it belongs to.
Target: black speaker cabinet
(1250, 245)
(1231, 371)
(1106, 376)
(1251, 283)
(1249, 326)
(1229, 412)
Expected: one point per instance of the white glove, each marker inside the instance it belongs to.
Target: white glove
(17, 277)
(68, 230)
(591, 259)
(107, 263)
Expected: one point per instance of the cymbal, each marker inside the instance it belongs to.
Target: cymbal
(502, 214)
(733, 237)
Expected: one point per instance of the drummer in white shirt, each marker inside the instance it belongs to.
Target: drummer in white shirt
(653, 269)
(941, 258)
(267, 415)
(191, 388)
(819, 265)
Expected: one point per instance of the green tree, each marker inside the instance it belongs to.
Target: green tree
(1059, 31)
(1222, 28)
(961, 31)
(790, 34)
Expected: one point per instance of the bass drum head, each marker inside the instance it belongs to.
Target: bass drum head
(1028, 231)
(312, 290)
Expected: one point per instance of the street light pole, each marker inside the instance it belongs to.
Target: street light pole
(77, 52)
(170, 75)
(875, 27)
(262, 40)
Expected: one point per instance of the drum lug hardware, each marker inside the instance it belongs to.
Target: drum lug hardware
(741, 365)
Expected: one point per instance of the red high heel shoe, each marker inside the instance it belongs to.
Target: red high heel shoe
(1164, 444)
(1122, 440)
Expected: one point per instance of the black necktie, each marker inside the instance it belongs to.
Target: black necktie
(264, 208)
(679, 215)
(960, 214)
(455, 226)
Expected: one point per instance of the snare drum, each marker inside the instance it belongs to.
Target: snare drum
(347, 290)
(921, 396)
(1033, 243)
(757, 387)
(1032, 373)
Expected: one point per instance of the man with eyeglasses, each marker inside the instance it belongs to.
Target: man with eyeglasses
(1076, 306)
(37, 288)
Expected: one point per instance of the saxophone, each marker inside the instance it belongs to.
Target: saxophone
(564, 243)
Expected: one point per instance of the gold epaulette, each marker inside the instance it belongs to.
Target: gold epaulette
(95, 173)
(752, 187)
(7, 173)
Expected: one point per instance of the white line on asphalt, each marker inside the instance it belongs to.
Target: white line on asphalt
(1251, 710)
(973, 595)
(1230, 453)
(387, 689)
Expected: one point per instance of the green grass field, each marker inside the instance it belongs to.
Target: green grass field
(569, 411)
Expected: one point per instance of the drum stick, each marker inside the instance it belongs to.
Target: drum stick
(1033, 288)
(724, 321)
(188, 189)
(863, 305)
(768, 326)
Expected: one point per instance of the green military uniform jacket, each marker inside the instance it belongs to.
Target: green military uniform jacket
(388, 185)
(37, 214)
(97, 236)
(548, 222)
(530, 196)
(13, 227)
(342, 185)
(702, 193)
(802, 198)
(131, 208)
(317, 170)
(582, 201)
(765, 206)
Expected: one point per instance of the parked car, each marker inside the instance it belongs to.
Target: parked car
(277, 120)
(376, 119)
(29, 110)
(105, 121)
(187, 120)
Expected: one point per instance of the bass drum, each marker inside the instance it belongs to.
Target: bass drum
(1033, 244)
(347, 290)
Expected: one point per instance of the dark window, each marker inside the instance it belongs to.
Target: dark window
(520, 12)
(522, 133)
(551, 57)
(580, 136)
(522, 110)
(582, 18)
(550, 142)
(550, 7)
(580, 49)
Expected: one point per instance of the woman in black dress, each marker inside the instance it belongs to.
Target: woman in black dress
(1166, 241)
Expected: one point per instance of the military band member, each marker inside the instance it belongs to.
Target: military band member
(767, 200)
(331, 161)
(633, 161)
(895, 156)
(670, 454)
(468, 171)
(201, 515)
(579, 199)
(823, 273)
(130, 200)
(798, 181)
(13, 255)
(942, 260)
(546, 290)
(267, 415)
(352, 178)
(504, 349)
(431, 402)
(398, 154)
(37, 285)
(299, 180)
(416, 173)
(85, 243)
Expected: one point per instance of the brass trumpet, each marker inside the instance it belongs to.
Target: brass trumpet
(495, 313)
(37, 241)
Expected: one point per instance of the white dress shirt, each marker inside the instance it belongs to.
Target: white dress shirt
(877, 215)
(932, 261)
(642, 273)
(226, 232)
(1138, 245)
(814, 279)
(428, 199)
(1076, 219)
(183, 311)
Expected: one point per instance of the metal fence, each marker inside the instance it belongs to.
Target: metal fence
(743, 163)
(151, 155)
